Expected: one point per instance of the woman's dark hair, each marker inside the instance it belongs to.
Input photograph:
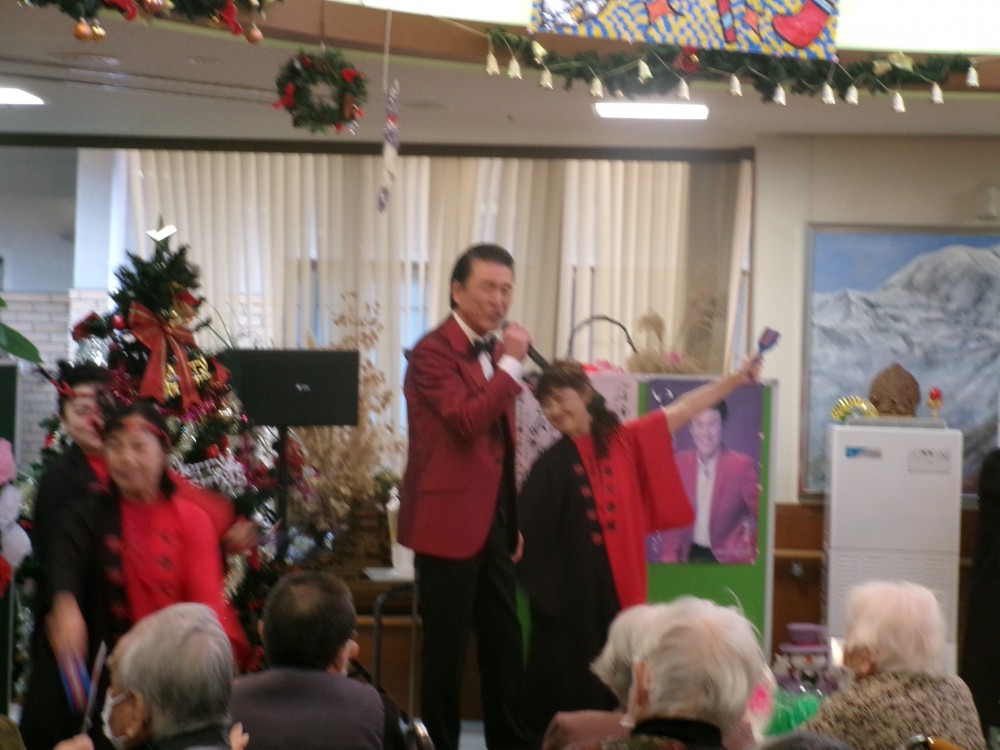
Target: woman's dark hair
(567, 374)
(71, 375)
(147, 411)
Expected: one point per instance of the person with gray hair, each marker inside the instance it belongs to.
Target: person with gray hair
(613, 667)
(894, 645)
(696, 666)
(171, 681)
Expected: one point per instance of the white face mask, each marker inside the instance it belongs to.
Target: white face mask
(118, 742)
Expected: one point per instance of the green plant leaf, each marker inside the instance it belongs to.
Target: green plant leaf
(13, 342)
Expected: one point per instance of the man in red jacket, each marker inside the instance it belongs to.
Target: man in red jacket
(457, 507)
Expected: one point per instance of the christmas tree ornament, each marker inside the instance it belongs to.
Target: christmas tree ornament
(390, 145)
(97, 31)
(492, 66)
(683, 90)
(898, 105)
(972, 77)
(82, 31)
(735, 86)
(514, 68)
(779, 95)
(934, 401)
(596, 88)
(253, 34)
(153, 7)
(545, 80)
(937, 96)
(901, 61)
(881, 67)
(826, 94)
(851, 95)
(644, 72)
(538, 52)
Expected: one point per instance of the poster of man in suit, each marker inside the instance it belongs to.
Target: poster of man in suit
(718, 458)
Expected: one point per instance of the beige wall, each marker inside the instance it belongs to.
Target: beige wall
(803, 180)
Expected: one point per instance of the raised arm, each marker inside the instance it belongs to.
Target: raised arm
(680, 411)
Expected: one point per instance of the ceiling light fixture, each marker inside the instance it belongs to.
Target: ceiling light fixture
(651, 110)
(18, 97)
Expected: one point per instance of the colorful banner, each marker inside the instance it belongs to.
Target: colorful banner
(778, 28)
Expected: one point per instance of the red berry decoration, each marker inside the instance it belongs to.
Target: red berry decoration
(935, 394)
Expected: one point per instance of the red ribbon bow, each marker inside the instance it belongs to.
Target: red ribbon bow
(157, 333)
(128, 8)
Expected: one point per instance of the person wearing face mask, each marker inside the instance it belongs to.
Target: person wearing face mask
(585, 508)
(124, 553)
(305, 700)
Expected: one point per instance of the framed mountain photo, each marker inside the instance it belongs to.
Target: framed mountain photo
(925, 298)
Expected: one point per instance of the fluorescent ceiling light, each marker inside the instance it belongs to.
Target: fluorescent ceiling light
(651, 110)
(18, 96)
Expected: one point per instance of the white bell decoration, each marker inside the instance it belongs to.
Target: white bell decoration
(546, 80)
(735, 87)
(492, 66)
(851, 96)
(826, 94)
(644, 72)
(683, 91)
(596, 88)
(898, 105)
(972, 78)
(513, 68)
(779, 95)
(937, 97)
(538, 51)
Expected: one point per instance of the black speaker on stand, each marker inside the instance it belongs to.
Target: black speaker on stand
(294, 388)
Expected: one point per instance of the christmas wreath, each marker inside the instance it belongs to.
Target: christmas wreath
(297, 83)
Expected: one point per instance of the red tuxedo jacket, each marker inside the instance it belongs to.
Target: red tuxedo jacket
(456, 446)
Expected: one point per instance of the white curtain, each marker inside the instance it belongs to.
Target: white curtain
(281, 238)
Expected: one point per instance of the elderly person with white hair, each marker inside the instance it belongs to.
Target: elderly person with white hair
(695, 671)
(895, 646)
(171, 681)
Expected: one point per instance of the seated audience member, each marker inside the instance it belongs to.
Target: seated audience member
(171, 680)
(804, 741)
(895, 645)
(305, 699)
(694, 674)
(614, 668)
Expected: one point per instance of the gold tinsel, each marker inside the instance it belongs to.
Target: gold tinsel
(852, 406)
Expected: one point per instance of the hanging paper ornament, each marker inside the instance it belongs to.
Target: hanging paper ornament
(683, 91)
(972, 78)
(826, 95)
(492, 66)
(901, 61)
(735, 87)
(546, 79)
(779, 95)
(513, 68)
(937, 97)
(851, 95)
(644, 72)
(538, 52)
(596, 88)
(898, 105)
(390, 145)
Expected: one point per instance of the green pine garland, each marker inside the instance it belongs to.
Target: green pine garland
(670, 63)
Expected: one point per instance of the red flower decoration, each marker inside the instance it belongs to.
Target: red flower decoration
(687, 61)
(288, 100)
(50, 439)
(349, 74)
(212, 451)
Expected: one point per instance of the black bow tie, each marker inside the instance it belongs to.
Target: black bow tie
(487, 345)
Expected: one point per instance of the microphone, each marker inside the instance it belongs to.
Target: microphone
(533, 354)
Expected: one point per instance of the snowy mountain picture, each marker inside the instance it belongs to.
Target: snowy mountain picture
(927, 300)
